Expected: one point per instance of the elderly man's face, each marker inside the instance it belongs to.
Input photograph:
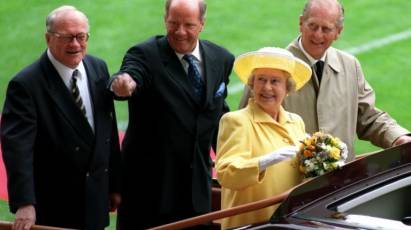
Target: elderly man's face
(319, 30)
(183, 25)
(270, 89)
(68, 51)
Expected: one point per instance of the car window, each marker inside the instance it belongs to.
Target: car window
(390, 201)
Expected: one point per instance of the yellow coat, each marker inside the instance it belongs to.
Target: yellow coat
(243, 137)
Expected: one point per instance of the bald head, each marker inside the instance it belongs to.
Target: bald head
(333, 6)
(67, 35)
(62, 12)
(202, 6)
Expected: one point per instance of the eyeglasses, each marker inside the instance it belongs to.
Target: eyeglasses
(324, 29)
(81, 37)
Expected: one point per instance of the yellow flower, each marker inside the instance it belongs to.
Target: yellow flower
(335, 153)
(307, 141)
(335, 141)
(314, 139)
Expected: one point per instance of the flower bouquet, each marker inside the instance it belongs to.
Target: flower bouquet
(321, 153)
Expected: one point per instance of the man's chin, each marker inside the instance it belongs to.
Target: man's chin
(181, 47)
(73, 63)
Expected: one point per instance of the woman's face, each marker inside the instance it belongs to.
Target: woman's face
(270, 89)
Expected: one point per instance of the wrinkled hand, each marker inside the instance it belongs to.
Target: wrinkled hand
(114, 201)
(402, 140)
(123, 85)
(25, 218)
(277, 156)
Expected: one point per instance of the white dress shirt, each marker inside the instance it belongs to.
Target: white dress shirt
(82, 84)
(197, 55)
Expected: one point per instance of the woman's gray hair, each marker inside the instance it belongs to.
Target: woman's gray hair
(51, 18)
(290, 87)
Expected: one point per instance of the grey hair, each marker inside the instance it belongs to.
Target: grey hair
(290, 87)
(201, 5)
(53, 15)
(340, 20)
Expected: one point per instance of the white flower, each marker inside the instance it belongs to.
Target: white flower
(344, 151)
(309, 165)
(340, 163)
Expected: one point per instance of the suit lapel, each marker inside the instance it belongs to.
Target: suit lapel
(210, 73)
(63, 99)
(97, 87)
(173, 66)
(93, 82)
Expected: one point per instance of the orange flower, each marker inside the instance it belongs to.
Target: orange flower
(308, 153)
(311, 147)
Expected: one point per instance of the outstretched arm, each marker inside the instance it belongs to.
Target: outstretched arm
(123, 85)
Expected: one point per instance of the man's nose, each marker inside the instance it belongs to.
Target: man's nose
(181, 30)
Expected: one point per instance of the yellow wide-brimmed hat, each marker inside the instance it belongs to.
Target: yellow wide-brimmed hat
(272, 57)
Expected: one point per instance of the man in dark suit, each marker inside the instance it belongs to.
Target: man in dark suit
(172, 120)
(58, 134)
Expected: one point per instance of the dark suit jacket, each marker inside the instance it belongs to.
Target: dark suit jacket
(53, 158)
(167, 143)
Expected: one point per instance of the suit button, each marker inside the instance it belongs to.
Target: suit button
(77, 148)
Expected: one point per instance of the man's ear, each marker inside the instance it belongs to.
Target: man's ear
(301, 21)
(339, 31)
(47, 36)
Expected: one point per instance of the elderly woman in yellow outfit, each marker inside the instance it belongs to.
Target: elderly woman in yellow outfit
(257, 145)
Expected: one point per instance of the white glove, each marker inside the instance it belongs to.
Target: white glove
(276, 156)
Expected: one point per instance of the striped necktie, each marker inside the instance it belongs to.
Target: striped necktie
(76, 92)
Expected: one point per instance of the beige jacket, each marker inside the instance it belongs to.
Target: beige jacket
(344, 104)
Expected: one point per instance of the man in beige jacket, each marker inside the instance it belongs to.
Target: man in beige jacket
(337, 100)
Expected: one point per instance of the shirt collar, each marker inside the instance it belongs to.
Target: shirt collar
(64, 71)
(195, 53)
(309, 57)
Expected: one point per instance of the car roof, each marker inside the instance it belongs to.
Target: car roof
(327, 197)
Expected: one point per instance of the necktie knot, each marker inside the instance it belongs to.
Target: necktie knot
(190, 59)
(75, 73)
(194, 75)
(74, 76)
(319, 67)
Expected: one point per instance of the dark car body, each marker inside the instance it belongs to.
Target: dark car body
(372, 192)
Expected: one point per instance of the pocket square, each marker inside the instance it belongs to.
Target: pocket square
(220, 90)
